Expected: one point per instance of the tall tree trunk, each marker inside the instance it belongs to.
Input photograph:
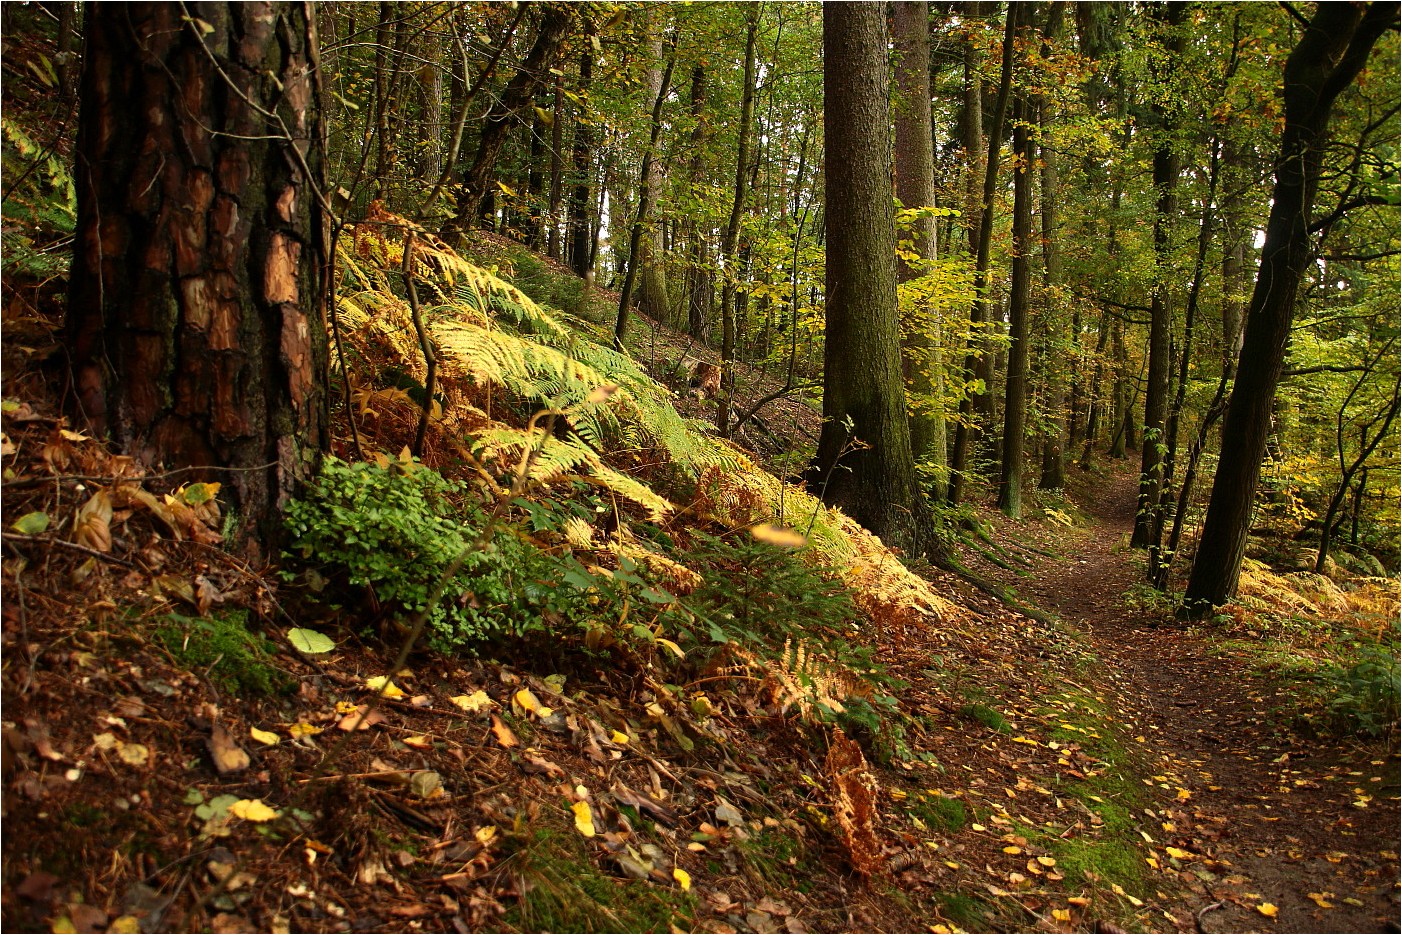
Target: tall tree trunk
(1058, 372)
(1015, 399)
(557, 171)
(1146, 516)
(384, 84)
(731, 238)
(506, 112)
(196, 323)
(864, 462)
(915, 187)
(700, 281)
(654, 301)
(581, 206)
(978, 405)
(1330, 54)
(635, 251)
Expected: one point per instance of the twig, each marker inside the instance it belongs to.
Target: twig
(49, 540)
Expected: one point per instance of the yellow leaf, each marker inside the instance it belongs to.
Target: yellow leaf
(777, 535)
(1268, 910)
(134, 754)
(472, 703)
(263, 736)
(1179, 853)
(1322, 900)
(63, 926)
(124, 925)
(418, 742)
(682, 877)
(384, 686)
(485, 835)
(619, 737)
(252, 810)
(1061, 915)
(303, 729)
(677, 650)
(527, 700)
(583, 818)
(346, 707)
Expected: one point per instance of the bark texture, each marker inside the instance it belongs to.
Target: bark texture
(864, 462)
(196, 325)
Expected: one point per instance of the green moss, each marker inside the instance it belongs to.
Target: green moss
(563, 891)
(943, 812)
(1090, 860)
(988, 717)
(223, 649)
(967, 912)
(778, 859)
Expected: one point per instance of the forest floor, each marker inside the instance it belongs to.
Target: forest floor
(1099, 769)
(1305, 824)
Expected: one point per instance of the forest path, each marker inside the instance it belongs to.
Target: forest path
(1272, 817)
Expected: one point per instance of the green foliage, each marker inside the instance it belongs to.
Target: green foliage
(397, 532)
(39, 208)
(1365, 694)
(234, 659)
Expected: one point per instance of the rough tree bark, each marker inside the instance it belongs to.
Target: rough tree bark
(196, 324)
(864, 462)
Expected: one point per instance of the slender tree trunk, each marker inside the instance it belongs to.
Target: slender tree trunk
(654, 301)
(197, 322)
(635, 253)
(1015, 400)
(700, 281)
(915, 186)
(557, 171)
(384, 140)
(864, 462)
(1057, 371)
(731, 238)
(978, 405)
(581, 159)
(1330, 54)
(1146, 516)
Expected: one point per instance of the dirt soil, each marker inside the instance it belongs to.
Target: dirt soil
(1307, 825)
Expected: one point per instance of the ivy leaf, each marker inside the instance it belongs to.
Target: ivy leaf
(310, 641)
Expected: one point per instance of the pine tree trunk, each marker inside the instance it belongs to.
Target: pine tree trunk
(196, 325)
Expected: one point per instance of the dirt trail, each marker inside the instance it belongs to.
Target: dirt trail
(1278, 817)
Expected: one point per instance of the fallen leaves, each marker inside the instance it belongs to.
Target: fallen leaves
(583, 818)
